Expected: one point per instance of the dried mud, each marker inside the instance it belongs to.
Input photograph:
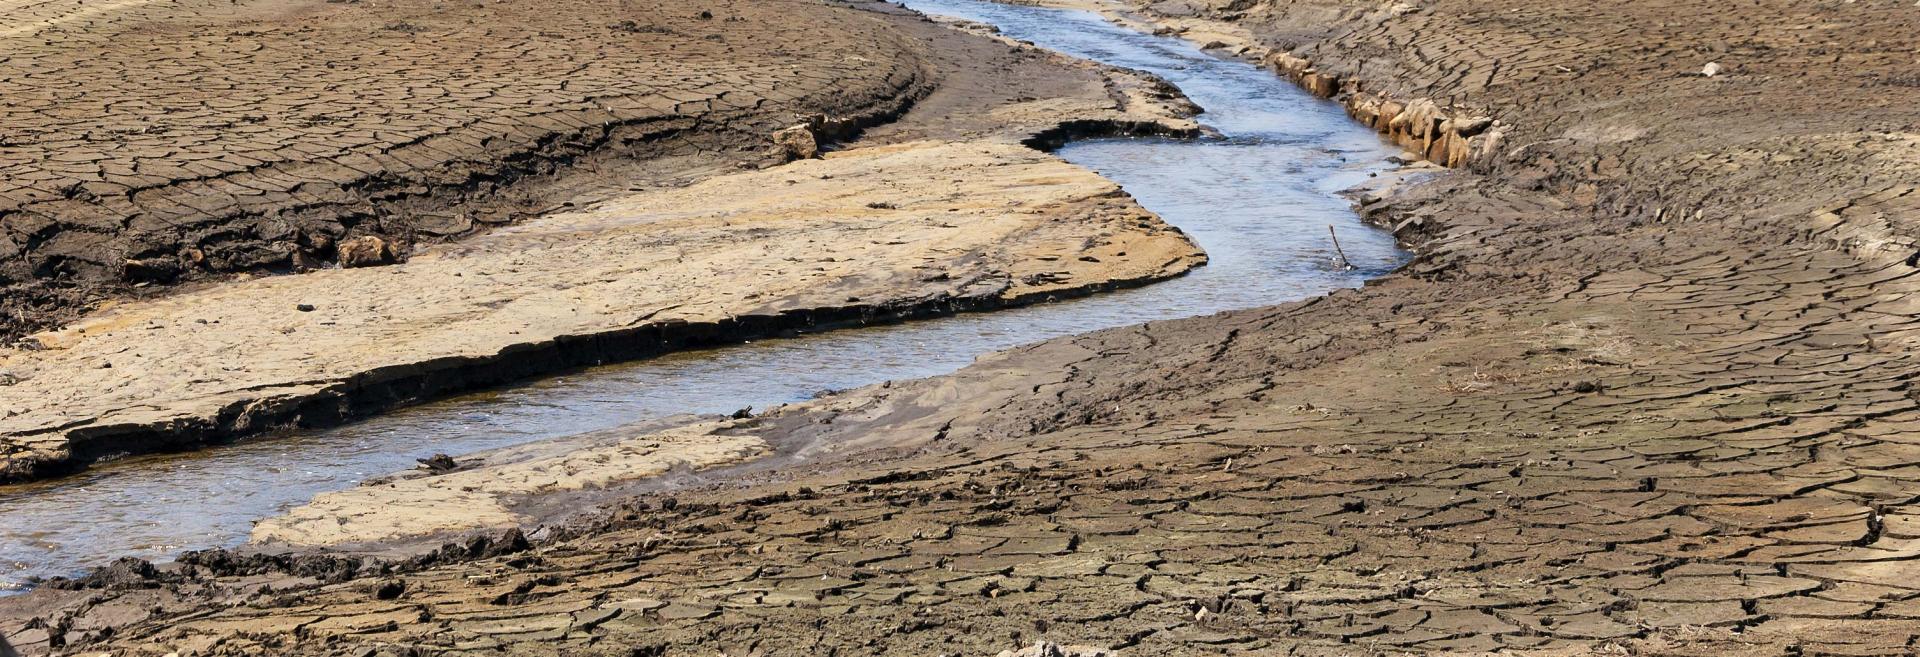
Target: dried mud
(937, 213)
(149, 143)
(913, 230)
(1646, 390)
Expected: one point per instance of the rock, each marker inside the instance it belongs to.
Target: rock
(1288, 65)
(365, 251)
(1470, 127)
(1049, 649)
(1710, 70)
(1324, 85)
(1389, 110)
(439, 464)
(305, 307)
(1487, 144)
(1458, 150)
(1364, 108)
(796, 143)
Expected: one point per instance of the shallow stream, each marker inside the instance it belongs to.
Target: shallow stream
(1259, 201)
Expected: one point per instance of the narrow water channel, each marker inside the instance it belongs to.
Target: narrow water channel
(1259, 201)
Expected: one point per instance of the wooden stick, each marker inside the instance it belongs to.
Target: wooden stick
(1344, 262)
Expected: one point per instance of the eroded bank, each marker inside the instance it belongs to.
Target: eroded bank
(1647, 391)
(1262, 201)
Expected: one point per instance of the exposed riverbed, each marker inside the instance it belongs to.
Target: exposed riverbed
(1259, 200)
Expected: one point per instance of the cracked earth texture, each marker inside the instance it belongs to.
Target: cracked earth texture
(1647, 390)
(914, 229)
(624, 274)
(153, 141)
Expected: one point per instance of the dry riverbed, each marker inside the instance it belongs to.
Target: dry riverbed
(1647, 390)
(941, 212)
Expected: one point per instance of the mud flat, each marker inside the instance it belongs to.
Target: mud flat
(921, 225)
(866, 235)
(1647, 390)
(145, 144)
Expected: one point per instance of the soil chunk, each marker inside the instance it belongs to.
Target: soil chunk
(796, 143)
(365, 251)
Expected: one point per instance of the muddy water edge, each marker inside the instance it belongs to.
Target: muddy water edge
(1259, 199)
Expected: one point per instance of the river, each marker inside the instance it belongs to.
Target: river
(1259, 200)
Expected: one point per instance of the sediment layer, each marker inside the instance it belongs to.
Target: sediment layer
(866, 235)
(147, 143)
(1647, 390)
(639, 274)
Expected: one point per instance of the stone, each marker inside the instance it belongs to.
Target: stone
(1469, 127)
(796, 143)
(365, 251)
(1324, 85)
(439, 463)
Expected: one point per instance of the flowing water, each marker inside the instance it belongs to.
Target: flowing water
(1258, 200)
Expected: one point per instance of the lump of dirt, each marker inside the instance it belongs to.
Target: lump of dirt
(366, 251)
(795, 143)
(124, 573)
(439, 464)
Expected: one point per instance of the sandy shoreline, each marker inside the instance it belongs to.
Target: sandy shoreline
(1646, 390)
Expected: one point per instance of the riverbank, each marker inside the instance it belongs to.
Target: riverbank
(926, 225)
(154, 144)
(1645, 391)
(863, 236)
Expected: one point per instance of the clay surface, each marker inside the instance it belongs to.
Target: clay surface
(862, 234)
(148, 142)
(474, 498)
(1647, 390)
(638, 274)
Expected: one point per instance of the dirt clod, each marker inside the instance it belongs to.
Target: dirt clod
(365, 251)
(795, 143)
